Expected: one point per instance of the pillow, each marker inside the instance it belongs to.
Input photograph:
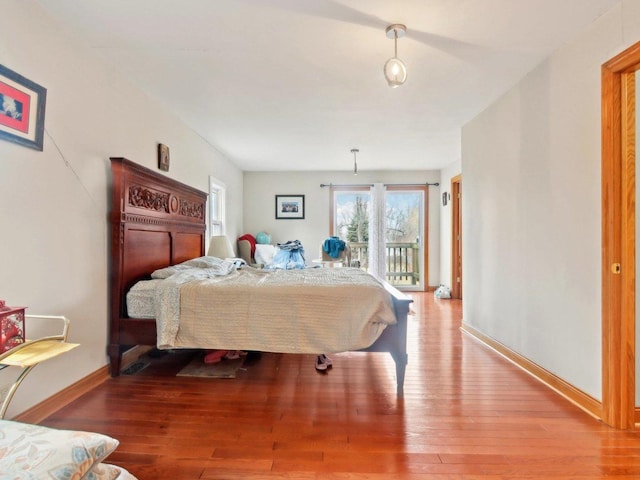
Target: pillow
(203, 262)
(166, 272)
(32, 451)
(104, 471)
(265, 253)
(121, 473)
(199, 262)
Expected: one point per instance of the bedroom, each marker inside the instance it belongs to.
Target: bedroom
(55, 260)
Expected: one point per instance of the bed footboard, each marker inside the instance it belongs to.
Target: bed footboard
(394, 338)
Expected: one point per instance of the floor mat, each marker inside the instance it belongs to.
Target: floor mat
(223, 369)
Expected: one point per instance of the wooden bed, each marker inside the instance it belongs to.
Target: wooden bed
(156, 222)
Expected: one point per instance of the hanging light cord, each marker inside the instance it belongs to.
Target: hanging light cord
(395, 43)
(355, 162)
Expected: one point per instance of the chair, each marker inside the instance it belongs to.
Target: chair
(344, 257)
(246, 249)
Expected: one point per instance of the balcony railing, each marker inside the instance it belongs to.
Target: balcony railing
(402, 261)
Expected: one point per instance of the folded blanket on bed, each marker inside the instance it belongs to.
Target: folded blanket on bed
(288, 311)
(167, 304)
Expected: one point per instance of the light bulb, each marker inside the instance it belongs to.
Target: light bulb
(395, 72)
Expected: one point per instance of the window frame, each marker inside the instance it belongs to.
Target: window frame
(217, 207)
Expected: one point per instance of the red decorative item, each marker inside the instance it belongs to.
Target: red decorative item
(11, 327)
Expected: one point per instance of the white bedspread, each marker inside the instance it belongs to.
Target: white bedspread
(289, 311)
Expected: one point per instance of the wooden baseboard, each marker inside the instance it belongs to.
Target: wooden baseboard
(578, 397)
(42, 410)
(47, 407)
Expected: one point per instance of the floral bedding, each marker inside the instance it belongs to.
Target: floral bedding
(32, 452)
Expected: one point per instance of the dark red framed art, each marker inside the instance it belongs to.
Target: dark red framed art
(22, 107)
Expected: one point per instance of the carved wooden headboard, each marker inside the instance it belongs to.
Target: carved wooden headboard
(155, 222)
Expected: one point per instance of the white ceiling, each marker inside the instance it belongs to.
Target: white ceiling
(296, 84)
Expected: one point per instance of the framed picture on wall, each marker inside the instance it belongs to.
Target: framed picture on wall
(163, 157)
(22, 105)
(289, 207)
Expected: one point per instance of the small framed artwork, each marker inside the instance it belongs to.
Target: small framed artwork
(163, 157)
(21, 109)
(289, 207)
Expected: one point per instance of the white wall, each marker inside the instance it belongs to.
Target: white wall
(54, 204)
(531, 208)
(446, 174)
(260, 189)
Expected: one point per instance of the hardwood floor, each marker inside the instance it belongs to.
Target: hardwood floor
(467, 414)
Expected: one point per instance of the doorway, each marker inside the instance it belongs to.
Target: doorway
(619, 239)
(406, 237)
(456, 237)
(404, 240)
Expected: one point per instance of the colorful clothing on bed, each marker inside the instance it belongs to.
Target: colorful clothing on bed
(290, 256)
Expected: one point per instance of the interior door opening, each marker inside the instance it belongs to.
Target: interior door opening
(619, 239)
(456, 237)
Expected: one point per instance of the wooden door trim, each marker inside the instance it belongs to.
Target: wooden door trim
(456, 255)
(618, 238)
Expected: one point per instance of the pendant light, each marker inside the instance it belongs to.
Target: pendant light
(355, 162)
(395, 70)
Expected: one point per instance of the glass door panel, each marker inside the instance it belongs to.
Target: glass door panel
(351, 222)
(404, 217)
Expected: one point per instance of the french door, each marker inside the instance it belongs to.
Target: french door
(399, 225)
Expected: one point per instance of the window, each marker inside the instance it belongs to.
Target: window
(350, 220)
(217, 212)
